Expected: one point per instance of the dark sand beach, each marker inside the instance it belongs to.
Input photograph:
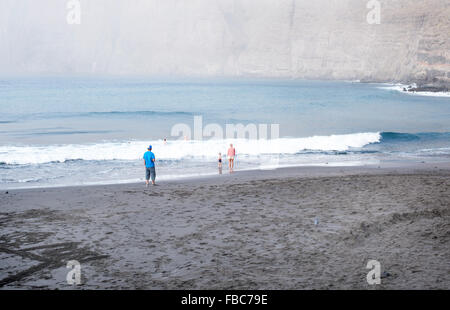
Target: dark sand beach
(248, 230)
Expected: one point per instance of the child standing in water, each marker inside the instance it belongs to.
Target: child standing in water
(220, 160)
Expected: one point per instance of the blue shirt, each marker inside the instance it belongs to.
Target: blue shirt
(148, 156)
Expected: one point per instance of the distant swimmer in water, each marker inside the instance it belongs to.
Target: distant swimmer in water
(231, 154)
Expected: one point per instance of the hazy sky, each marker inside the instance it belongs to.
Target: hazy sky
(218, 37)
(289, 38)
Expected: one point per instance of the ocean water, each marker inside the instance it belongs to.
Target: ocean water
(75, 131)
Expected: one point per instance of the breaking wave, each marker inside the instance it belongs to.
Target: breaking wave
(180, 149)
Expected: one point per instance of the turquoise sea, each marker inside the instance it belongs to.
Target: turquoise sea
(59, 131)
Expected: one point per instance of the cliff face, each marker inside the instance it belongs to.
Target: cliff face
(411, 43)
(432, 60)
(320, 39)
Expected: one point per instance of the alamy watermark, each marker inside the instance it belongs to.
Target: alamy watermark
(215, 131)
(74, 275)
(374, 15)
(374, 275)
(73, 16)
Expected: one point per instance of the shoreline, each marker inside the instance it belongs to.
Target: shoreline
(257, 174)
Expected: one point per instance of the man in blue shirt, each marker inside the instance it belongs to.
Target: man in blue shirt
(149, 161)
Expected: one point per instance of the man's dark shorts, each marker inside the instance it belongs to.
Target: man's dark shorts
(150, 172)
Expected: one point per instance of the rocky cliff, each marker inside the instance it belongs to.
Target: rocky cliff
(320, 39)
(411, 43)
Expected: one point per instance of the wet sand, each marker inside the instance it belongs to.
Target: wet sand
(248, 230)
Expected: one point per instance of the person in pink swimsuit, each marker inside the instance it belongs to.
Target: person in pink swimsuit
(231, 154)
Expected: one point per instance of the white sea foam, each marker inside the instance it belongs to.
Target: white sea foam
(175, 150)
(401, 87)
